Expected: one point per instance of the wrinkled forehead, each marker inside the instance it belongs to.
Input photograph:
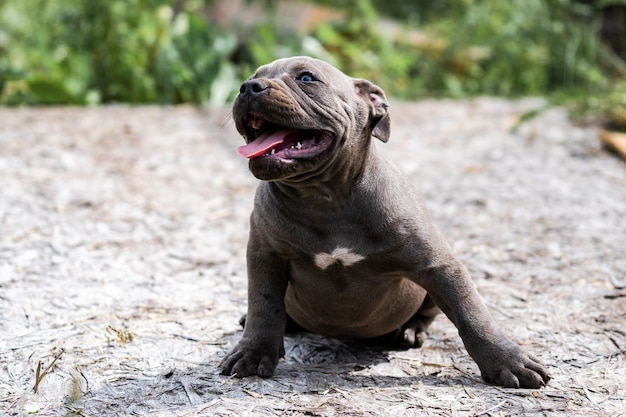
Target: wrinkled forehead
(297, 65)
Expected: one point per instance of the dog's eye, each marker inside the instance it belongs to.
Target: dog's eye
(306, 77)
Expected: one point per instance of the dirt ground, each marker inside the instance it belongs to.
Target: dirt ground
(122, 267)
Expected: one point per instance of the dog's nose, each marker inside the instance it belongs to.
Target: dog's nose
(253, 86)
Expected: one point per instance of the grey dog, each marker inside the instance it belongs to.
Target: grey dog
(340, 242)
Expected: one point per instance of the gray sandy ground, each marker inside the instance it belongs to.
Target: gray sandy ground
(122, 244)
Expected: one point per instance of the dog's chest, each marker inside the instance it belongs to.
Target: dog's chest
(357, 236)
(324, 252)
(342, 249)
(343, 256)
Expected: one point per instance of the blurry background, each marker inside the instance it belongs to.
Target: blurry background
(199, 51)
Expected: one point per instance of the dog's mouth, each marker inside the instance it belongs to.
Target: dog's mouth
(268, 140)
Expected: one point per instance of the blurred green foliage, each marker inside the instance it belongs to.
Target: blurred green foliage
(471, 47)
(167, 51)
(606, 106)
(134, 51)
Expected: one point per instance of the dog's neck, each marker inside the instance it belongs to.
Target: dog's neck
(328, 188)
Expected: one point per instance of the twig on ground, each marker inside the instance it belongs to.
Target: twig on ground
(39, 374)
(489, 410)
(123, 335)
(619, 285)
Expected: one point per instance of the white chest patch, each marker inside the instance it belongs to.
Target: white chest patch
(324, 260)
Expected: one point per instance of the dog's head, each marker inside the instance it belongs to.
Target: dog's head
(298, 115)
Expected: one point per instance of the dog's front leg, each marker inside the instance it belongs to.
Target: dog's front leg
(261, 345)
(500, 360)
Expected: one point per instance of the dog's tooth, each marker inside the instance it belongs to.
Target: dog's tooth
(273, 152)
(255, 122)
(299, 145)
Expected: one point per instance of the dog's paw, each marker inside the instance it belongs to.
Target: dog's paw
(408, 337)
(245, 361)
(413, 333)
(513, 368)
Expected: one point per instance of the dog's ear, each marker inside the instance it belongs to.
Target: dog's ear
(379, 110)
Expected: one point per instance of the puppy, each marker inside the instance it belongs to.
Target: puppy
(340, 243)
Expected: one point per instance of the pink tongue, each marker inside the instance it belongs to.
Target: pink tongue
(263, 144)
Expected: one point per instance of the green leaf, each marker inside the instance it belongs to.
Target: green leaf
(50, 91)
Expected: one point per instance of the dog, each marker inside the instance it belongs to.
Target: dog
(340, 243)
